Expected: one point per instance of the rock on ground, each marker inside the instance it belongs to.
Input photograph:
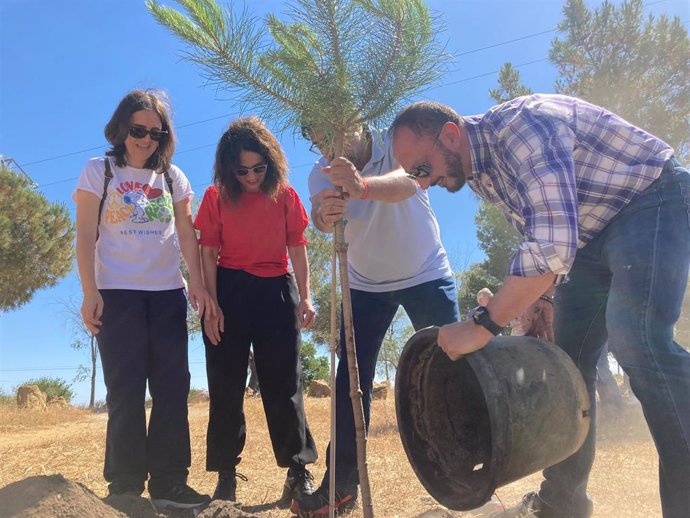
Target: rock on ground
(30, 396)
(319, 388)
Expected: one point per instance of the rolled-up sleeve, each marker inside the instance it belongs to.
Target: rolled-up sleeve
(541, 155)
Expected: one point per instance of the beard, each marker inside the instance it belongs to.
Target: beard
(455, 173)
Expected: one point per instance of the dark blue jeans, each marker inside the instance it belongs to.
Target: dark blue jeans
(629, 283)
(430, 303)
(144, 339)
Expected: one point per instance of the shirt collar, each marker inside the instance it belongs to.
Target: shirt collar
(480, 154)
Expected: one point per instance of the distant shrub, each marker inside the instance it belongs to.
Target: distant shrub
(7, 399)
(53, 387)
(197, 395)
(314, 366)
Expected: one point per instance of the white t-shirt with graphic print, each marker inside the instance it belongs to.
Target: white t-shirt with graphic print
(136, 248)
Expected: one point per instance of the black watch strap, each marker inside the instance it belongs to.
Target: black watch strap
(481, 317)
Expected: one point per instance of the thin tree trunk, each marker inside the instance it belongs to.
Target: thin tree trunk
(94, 357)
(353, 369)
(334, 345)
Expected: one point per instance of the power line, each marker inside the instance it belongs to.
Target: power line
(487, 74)
(101, 147)
(472, 51)
(75, 178)
(507, 42)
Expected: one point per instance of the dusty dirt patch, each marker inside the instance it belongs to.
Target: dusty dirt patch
(624, 481)
(41, 497)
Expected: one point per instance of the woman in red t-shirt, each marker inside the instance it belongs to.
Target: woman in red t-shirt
(251, 221)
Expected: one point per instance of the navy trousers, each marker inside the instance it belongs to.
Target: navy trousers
(261, 312)
(144, 339)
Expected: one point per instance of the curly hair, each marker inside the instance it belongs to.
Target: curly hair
(117, 129)
(248, 134)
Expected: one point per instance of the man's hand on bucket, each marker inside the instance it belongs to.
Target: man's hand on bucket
(462, 338)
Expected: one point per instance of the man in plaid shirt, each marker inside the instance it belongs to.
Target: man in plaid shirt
(603, 207)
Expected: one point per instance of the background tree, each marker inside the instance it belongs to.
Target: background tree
(314, 365)
(193, 322)
(397, 335)
(499, 240)
(83, 339)
(35, 240)
(634, 65)
(320, 252)
(509, 85)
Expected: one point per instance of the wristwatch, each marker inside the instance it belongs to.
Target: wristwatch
(482, 318)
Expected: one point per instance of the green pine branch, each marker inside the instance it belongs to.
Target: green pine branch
(334, 64)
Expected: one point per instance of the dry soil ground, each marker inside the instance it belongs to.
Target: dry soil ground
(623, 483)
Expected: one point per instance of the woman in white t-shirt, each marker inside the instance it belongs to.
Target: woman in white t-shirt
(129, 206)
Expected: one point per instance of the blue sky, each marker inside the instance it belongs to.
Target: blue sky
(65, 64)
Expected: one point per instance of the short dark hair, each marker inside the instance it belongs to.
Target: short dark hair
(425, 118)
(248, 134)
(118, 127)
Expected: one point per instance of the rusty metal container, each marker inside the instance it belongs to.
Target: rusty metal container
(515, 407)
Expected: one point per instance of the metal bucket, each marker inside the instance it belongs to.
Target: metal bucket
(515, 407)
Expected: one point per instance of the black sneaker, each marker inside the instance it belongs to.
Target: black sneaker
(316, 504)
(125, 488)
(226, 488)
(125, 492)
(299, 483)
(180, 496)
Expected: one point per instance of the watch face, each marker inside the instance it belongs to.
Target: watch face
(481, 317)
(479, 314)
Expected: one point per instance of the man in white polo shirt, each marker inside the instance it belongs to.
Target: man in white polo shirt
(386, 213)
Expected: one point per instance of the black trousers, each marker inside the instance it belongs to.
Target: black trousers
(144, 339)
(262, 312)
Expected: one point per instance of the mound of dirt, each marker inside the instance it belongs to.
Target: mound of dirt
(52, 496)
(56, 497)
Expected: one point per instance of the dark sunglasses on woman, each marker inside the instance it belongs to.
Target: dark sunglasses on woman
(257, 169)
(139, 132)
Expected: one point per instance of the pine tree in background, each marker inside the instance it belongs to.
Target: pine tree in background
(35, 240)
(637, 66)
(320, 251)
(509, 85)
(499, 240)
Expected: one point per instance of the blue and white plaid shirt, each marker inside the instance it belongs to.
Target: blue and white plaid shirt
(560, 169)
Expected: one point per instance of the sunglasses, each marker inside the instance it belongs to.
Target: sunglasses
(424, 169)
(139, 132)
(421, 171)
(257, 169)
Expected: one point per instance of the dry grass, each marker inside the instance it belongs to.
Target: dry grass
(623, 483)
(13, 419)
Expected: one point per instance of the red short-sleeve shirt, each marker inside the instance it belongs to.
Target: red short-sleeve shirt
(253, 233)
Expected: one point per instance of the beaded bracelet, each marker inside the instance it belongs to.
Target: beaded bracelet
(546, 298)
